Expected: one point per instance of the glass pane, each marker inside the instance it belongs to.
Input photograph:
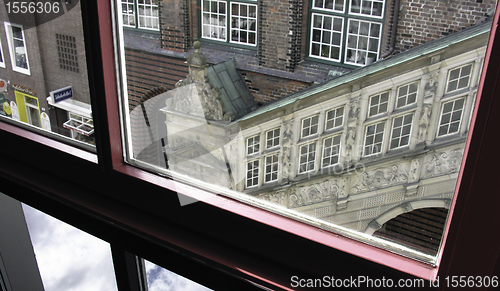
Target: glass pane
(161, 279)
(45, 73)
(68, 258)
(207, 113)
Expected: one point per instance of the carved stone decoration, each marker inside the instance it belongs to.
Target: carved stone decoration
(414, 171)
(276, 197)
(350, 139)
(431, 86)
(354, 110)
(380, 178)
(423, 124)
(287, 143)
(315, 193)
(443, 163)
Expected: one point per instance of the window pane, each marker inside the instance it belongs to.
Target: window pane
(45, 74)
(160, 279)
(348, 152)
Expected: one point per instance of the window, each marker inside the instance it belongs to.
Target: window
(407, 95)
(240, 18)
(141, 14)
(68, 56)
(17, 48)
(79, 124)
(374, 136)
(378, 104)
(451, 116)
(252, 178)
(310, 126)
(253, 144)
(459, 78)
(271, 168)
(331, 151)
(273, 138)
(334, 118)
(307, 157)
(401, 131)
(338, 35)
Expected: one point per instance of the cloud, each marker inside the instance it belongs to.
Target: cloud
(68, 258)
(160, 279)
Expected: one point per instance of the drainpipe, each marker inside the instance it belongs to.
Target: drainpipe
(394, 31)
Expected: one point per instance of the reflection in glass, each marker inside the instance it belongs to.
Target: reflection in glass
(46, 80)
(160, 279)
(68, 258)
(353, 154)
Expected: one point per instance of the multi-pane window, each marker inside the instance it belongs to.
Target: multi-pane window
(331, 150)
(334, 118)
(17, 48)
(252, 178)
(407, 95)
(273, 138)
(271, 168)
(451, 116)
(140, 14)
(378, 104)
(401, 131)
(240, 18)
(253, 144)
(2, 62)
(310, 126)
(307, 157)
(374, 136)
(459, 78)
(346, 31)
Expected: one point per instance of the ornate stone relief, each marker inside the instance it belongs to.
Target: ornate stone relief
(380, 178)
(443, 163)
(287, 144)
(353, 110)
(414, 171)
(350, 140)
(423, 124)
(431, 86)
(315, 193)
(276, 197)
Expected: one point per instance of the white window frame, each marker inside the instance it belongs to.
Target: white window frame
(336, 116)
(79, 124)
(334, 150)
(448, 123)
(310, 126)
(307, 156)
(379, 103)
(324, 4)
(138, 17)
(254, 172)
(407, 95)
(225, 24)
(359, 49)
(254, 147)
(2, 56)
(324, 43)
(272, 168)
(373, 144)
(273, 137)
(459, 78)
(373, 3)
(12, 49)
(401, 128)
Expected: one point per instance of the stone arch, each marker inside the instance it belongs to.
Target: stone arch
(377, 223)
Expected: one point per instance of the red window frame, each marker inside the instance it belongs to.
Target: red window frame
(139, 212)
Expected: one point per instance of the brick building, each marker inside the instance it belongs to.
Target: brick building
(281, 46)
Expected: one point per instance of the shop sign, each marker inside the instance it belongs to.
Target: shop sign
(14, 111)
(21, 88)
(45, 121)
(62, 94)
(3, 86)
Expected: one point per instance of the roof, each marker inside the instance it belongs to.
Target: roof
(234, 92)
(425, 49)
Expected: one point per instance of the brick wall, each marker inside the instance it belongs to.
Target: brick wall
(146, 71)
(421, 21)
(175, 25)
(265, 88)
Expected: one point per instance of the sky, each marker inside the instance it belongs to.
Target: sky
(72, 260)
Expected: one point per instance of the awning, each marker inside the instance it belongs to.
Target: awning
(73, 106)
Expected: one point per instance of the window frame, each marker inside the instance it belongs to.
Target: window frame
(10, 42)
(391, 138)
(459, 77)
(229, 24)
(136, 15)
(163, 238)
(2, 55)
(462, 109)
(346, 15)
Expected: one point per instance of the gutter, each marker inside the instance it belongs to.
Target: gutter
(394, 30)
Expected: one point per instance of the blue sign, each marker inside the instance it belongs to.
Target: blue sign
(62, 94)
